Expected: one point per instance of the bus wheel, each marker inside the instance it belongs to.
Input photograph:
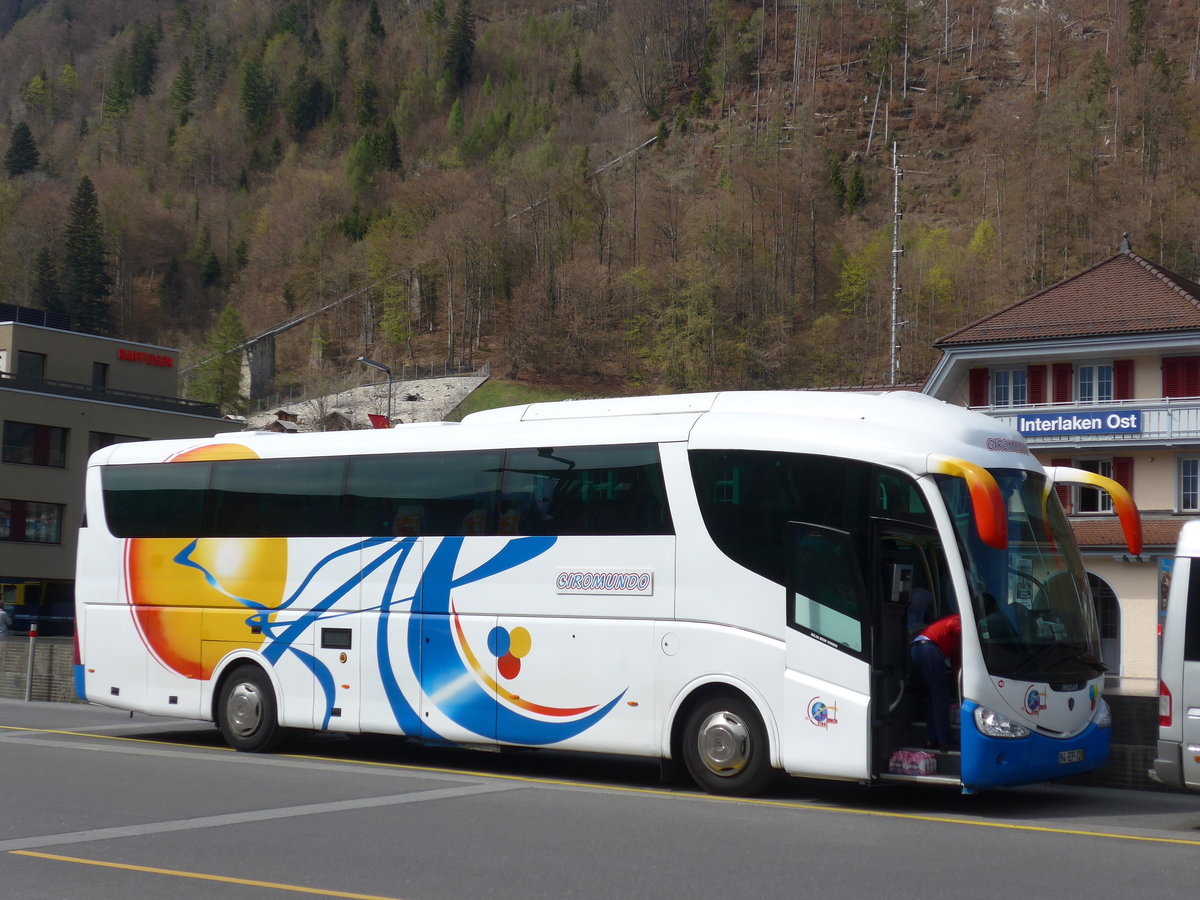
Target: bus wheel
(246, 711)
(725, 746)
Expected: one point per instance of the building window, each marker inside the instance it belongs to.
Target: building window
(1094, 500)
(32, 365)
(1189, 484)
(1010, 387)
(31, 522)
(98, 440)
(1095, 384)
(35, 445)
(99, 375)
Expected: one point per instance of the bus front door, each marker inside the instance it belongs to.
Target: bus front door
(827, 681)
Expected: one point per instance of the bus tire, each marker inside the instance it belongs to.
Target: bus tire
(725, 746)
(247, 712)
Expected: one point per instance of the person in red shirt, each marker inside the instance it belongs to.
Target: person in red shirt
(929, 652)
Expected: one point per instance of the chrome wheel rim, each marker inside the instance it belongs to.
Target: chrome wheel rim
(244, 709)
(724, 744)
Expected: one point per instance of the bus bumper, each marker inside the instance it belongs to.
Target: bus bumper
(994, 762)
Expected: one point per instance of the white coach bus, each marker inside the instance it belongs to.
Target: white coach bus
(1178, 760)
(730, 580)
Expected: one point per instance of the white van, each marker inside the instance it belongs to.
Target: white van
(1177, 762)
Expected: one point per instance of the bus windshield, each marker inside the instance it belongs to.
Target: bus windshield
(1034, 612)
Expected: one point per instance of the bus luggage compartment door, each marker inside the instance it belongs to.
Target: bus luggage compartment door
(827, 713)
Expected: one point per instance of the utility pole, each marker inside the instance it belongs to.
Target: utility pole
(897, 174)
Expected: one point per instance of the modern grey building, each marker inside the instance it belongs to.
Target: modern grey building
(63, 395)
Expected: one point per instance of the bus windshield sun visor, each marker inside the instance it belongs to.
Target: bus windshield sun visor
(1127, 511)
(986, 501)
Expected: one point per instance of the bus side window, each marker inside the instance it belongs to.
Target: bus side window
(825, 591)
(585, 490)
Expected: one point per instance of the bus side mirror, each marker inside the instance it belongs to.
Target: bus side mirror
(1127, 511)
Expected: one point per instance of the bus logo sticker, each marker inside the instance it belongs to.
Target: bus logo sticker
(635, 583)
(820, 714)
(1035, 701)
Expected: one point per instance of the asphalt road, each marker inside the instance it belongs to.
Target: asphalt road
(95, 804)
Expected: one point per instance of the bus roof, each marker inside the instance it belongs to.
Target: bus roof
(899, 428)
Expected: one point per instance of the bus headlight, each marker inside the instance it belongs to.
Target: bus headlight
(991, 723)
(1103, 716)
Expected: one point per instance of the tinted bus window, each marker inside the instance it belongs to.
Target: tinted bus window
(424, 493)
(155, 500)
(748, 496)
(275, 498)
(585, 490)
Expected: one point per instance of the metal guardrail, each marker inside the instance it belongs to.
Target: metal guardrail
(112, 395)
(303, 393)
(1164, 419)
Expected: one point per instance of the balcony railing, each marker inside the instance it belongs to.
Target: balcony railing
(1164, 420)
(106, 395)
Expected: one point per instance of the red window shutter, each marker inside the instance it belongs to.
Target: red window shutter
(1170, 376)
(1036, 378)
(1123, 379)
(1064, 382)
(1123, 472)
(1181, 376)
(1064, 492)
(979, 387)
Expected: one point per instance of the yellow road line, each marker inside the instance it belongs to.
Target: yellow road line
(659, 792)
(202, 876)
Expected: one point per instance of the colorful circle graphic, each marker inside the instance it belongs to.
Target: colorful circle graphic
(509, 648)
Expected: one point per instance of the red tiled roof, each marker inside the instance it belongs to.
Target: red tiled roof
(1106, 532)
(1124, 294)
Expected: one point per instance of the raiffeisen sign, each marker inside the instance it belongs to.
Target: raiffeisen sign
(1096, 421)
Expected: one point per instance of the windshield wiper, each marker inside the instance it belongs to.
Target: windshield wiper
(1088, 660)
(1082, 656)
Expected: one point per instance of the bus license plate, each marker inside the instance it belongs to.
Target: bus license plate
(1070, 756)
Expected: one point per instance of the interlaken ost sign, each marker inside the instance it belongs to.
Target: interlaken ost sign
(1092, 421)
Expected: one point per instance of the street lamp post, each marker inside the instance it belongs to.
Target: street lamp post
(387, 371)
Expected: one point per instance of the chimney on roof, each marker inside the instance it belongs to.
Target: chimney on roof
(1125, 247)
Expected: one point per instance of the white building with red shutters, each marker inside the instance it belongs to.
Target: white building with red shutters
(1102, 372)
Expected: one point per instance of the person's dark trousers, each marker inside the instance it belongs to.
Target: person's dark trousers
(932, 665)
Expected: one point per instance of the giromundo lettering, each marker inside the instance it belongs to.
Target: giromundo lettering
(604, 582)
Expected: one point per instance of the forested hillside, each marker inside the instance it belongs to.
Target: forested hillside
(613, 194)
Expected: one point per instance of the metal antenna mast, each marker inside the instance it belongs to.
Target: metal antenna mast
(896, 254)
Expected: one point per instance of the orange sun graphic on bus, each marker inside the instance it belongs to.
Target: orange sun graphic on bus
(191, 605)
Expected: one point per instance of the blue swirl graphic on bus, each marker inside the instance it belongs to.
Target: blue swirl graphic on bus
(445, 680)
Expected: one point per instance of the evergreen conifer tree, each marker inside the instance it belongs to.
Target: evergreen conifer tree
(254, 93)
(387, 148)
(366, 103)
(856, 190)
(210, 271)
(86, 282)
(46, 292)
(183, 91)
(171, 290)
(219, 379)
(143, 61)
(375, 22)
(22, 155)
(460, 46)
